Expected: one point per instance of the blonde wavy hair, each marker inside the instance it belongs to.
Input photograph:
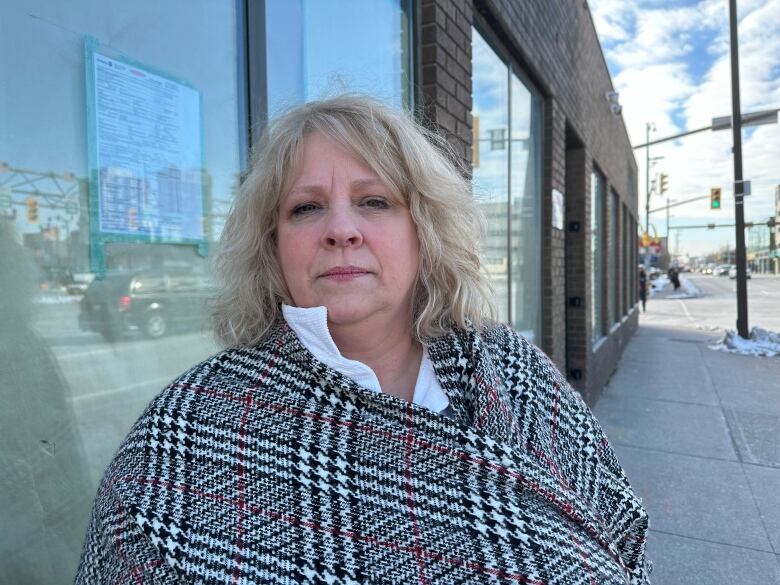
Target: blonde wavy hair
(451, 288)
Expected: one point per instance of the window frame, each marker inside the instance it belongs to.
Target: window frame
(514, 66)
(598, 293)
(253, 58)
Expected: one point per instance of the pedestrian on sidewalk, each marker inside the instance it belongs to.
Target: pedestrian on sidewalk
(674, 277)
(643, 287)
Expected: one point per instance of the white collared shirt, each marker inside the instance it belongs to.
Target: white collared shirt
(311, 327)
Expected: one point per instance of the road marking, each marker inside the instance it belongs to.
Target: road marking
(155, 382)
(686, 311)
(80, 354)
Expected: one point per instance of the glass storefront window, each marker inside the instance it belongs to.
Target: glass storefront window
(526, 214)
(315, 49)
(613, 278)
(491, 163)
(507, 117)
(628, 266)
(119, 156)
(597, 196)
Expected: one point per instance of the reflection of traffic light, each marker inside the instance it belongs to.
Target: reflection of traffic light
(715, 198)
(664, 183)
(32, 210)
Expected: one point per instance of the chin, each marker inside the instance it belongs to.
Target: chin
(345, 313)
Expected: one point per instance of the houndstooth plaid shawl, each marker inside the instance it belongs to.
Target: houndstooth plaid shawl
(263, 465)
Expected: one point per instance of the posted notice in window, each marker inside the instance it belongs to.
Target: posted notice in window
(147, 152)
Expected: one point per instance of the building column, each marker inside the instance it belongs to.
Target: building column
(553, 239)
(445, 63)
(578, 326)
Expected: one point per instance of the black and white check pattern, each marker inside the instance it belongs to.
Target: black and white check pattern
(263, 465)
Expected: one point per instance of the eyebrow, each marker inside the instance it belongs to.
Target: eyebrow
(358, 184)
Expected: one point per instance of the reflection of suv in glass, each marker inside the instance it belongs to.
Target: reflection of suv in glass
(154, 302)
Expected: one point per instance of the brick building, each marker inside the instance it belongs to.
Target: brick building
(587, 293)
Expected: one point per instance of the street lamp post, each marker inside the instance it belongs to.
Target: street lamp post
(648, 126)
(739, 208)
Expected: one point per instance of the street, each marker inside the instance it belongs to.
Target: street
(717, 305)
(109, 384)
(698, 433)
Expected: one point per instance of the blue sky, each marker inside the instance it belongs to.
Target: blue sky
(670, 62)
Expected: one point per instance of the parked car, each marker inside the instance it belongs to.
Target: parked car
(153, 302)
(733, 272)
(723, 270)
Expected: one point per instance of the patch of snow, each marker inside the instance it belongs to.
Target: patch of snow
(690, 291)
(657, 284)
(761, 343)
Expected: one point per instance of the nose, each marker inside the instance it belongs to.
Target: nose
(341, 229)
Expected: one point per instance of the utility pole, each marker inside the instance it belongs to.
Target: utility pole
(648, 126)
(739, 208)
(668, 239)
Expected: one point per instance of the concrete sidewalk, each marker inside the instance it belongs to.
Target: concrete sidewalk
(698, 433)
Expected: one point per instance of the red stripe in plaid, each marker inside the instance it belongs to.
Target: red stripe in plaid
(240, 461)
(583, 554)
(549, 496)
(120, 512)
(301, 523)
(410, 497)
(138, 570)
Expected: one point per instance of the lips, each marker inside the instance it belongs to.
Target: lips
(344, 272)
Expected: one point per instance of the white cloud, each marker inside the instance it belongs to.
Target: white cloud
(656, 83)
(613, 19)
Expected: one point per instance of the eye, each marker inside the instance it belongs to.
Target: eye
(304, 208)
(376, 203)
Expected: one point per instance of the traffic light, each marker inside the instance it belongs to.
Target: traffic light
(32, 210)
(715, 198)
(664, 183)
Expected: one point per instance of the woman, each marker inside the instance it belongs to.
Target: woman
(369, 422)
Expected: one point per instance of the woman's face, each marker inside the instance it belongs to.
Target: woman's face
(345, 240)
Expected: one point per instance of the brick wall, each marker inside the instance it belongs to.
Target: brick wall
(577, 261)
(444, 96)
(553, 240)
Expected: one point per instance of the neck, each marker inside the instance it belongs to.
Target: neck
(392, 352)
